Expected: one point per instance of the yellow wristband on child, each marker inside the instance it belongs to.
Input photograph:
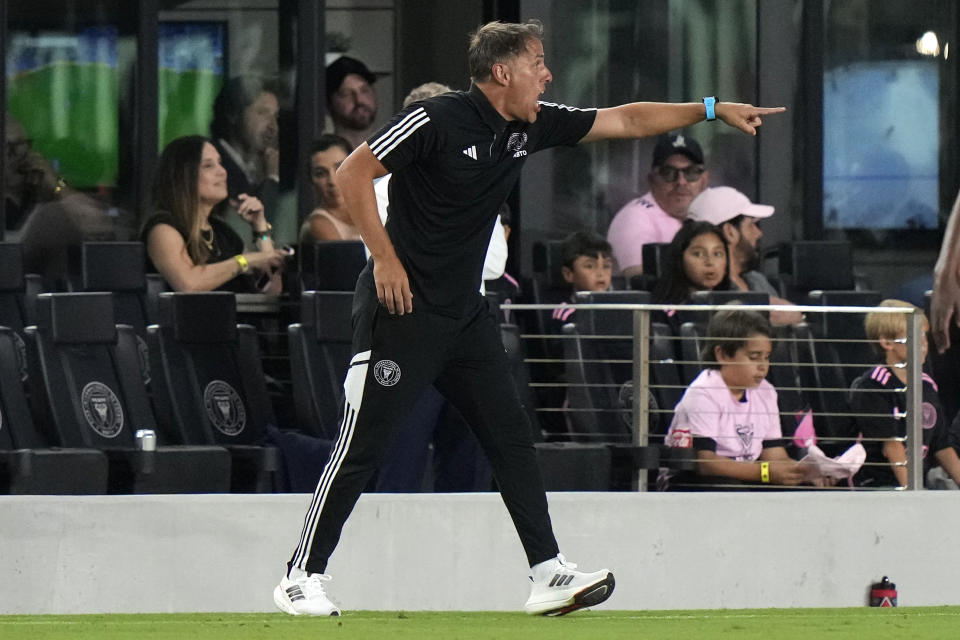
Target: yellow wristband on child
(765, 472)
(244, 265)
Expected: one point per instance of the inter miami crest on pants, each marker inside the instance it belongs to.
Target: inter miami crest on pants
(387, 372)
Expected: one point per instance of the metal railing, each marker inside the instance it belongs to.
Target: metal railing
(641, 411)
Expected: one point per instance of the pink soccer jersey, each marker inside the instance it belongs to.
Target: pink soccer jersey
(707, 409)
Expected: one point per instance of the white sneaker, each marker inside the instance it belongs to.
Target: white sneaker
(304, 596)
(557, 588)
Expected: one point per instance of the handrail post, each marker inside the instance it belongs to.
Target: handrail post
(641, 383)
(914, 402)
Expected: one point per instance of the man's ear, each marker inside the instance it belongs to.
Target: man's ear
(886, 344)
(500, 73)
(730, 233)
(567, 274)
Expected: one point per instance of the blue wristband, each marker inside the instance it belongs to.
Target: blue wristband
(710, 102)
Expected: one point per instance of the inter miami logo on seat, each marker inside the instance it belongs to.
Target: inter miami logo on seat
(101, 409)
(387, 372)
(224, 408)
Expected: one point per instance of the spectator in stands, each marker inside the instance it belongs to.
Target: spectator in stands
(197, 251)
(737, 217)
(729, 413)
(330, 220)
(351, 99)
(677, 177)
(47, 216)
(886, 457)
(246, 134)
(587, 266)
(697, 260)
(29, 179)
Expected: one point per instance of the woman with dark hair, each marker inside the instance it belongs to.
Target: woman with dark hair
(697, 260)
(330, 220)
(194, 250)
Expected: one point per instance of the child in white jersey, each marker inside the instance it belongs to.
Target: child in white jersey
(729, 413)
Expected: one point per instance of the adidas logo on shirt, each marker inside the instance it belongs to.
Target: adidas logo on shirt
(471, 152)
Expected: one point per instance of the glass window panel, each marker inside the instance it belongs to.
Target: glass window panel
(234, 49)
(884, 59)
(610, 52)
(69, 133)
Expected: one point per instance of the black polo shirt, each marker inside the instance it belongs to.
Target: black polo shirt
(879, 397)
(454, 160)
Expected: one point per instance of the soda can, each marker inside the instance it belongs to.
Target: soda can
(146, 439)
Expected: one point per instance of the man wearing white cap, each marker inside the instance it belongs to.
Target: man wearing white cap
(737, 218)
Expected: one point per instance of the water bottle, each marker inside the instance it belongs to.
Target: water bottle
(883, 593)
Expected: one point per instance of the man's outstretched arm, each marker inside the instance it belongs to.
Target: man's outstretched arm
(945, 304)
(642, 119)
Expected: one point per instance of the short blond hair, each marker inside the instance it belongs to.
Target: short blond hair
(890, 326)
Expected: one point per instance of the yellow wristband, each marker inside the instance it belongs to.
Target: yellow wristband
(244, 265)
(765, 472)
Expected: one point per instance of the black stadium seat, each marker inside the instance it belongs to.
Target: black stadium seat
(845, 330)
(86, 385)
(118, 267)
(332, 265)
(27, 464)
(209, 384)
(320, 350)
(806, 265)
(18, 290)
(596, 338)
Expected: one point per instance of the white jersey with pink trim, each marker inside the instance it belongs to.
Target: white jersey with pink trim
(739, 428)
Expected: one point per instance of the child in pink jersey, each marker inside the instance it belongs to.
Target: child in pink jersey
(729, 413)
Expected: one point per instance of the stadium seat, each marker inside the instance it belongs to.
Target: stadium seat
(845, 330)
(665, 378)
(18, 290)
(332, 265)
(719, 298)
(117, 267)
(574, 466)
(806, 265)
(27, 464)
(209, 385)
(598, 359)
(86, 386)
(825, 387)
(691, 346)
(320, 351)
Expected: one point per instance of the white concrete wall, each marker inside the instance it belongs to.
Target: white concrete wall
(460, 552)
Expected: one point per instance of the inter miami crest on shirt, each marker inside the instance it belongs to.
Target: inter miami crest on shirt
(224, 408)
(101, 409)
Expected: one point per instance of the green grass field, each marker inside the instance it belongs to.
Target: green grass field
(902, 624)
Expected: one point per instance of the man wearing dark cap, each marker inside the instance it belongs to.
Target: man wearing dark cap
(677, 177)
(351, 99)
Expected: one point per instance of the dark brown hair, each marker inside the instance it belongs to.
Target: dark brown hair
(498, 41)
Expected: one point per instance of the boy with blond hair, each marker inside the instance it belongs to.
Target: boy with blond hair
(879, 399)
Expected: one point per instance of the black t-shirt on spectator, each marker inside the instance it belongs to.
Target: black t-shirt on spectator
(880, 392)
(226, 244)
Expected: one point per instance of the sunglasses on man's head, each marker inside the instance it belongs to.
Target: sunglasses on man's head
(671, 174)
